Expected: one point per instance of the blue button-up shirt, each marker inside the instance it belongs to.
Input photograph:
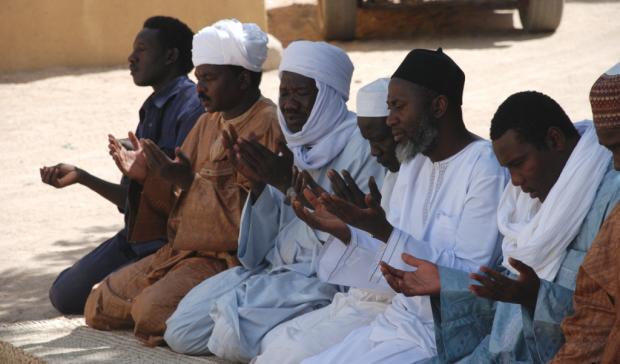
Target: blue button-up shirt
(166, 117)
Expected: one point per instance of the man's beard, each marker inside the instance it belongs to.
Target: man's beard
(425, 137)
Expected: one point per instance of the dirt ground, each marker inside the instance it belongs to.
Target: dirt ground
(65, 114)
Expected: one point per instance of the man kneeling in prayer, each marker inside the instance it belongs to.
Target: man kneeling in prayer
(199, 193)
(563, 187)
(443, 207)
(229, 314)
(310, 334)
(161, 58)
(593, 332)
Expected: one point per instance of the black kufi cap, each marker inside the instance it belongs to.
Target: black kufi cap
(435, 71)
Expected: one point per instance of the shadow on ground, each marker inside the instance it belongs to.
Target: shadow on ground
(67, 341)
(23, 292)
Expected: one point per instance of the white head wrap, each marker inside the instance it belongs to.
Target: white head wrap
(230, 42)
(372, 99)
(330, 124)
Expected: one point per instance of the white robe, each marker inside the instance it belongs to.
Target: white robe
(229, 313)
(450, 209)
(311, 333)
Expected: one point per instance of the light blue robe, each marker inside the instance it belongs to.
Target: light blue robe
(229, 314)
(469, 329)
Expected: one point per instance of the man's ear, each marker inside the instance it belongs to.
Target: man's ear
(172, 55)
(439, 106)
(555, 139)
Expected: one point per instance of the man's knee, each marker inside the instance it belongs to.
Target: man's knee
(104, 310)
(180, 340)
(71, 288)
(66, 298)
(185, 337)
(149, 311)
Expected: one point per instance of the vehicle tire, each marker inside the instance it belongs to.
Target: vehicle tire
(539, 16)
(337, 19)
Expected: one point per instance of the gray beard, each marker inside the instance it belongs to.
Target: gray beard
(425, 137)
(405, 151)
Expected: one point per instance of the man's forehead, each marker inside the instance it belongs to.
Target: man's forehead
(372, 126)
(396, 83)
(606, 135)
(510, 145)
(293, 77)
(399, 88)
(147, 35)
(211, 68)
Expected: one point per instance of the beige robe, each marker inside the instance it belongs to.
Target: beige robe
(202, 229)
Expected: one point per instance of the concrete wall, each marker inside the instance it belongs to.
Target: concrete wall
(50, 33)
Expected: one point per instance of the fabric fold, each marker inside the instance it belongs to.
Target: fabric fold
(330, 124)
(539, 233)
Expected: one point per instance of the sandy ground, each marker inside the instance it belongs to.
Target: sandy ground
(65, 114)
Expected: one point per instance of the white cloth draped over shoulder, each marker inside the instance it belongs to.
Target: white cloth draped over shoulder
(230, 42)
(446, 213)
(330, 123)
(538, 233)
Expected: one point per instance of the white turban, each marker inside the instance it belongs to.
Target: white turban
(320, 61)
(372, 99)
(330, 124)
(230, 42)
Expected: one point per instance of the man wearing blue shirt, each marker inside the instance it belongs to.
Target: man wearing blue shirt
(161, 59)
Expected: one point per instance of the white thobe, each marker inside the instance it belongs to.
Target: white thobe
(229, 313)
(314, 332)
(449, 209)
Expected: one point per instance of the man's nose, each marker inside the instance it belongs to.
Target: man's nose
(517, 179)
(201, 86)
(131, 58)
(391, 120)
(290, 104)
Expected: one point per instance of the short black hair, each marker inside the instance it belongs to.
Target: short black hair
(255, 77)
(531, 114)
(173, 33)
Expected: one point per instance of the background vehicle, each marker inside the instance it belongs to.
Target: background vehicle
(337, 18)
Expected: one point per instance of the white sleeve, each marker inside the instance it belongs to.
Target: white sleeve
(476, 240)
(349, 264)
(259, 227)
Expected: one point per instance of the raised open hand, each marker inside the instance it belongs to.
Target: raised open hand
(60, 175)
(178, 171)
(498, 287)
(345, 187)
(264, 165)
(300, 181)
(320, 218)
(424, 281)
(229, 140)
(371, 219)
(131, 163)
